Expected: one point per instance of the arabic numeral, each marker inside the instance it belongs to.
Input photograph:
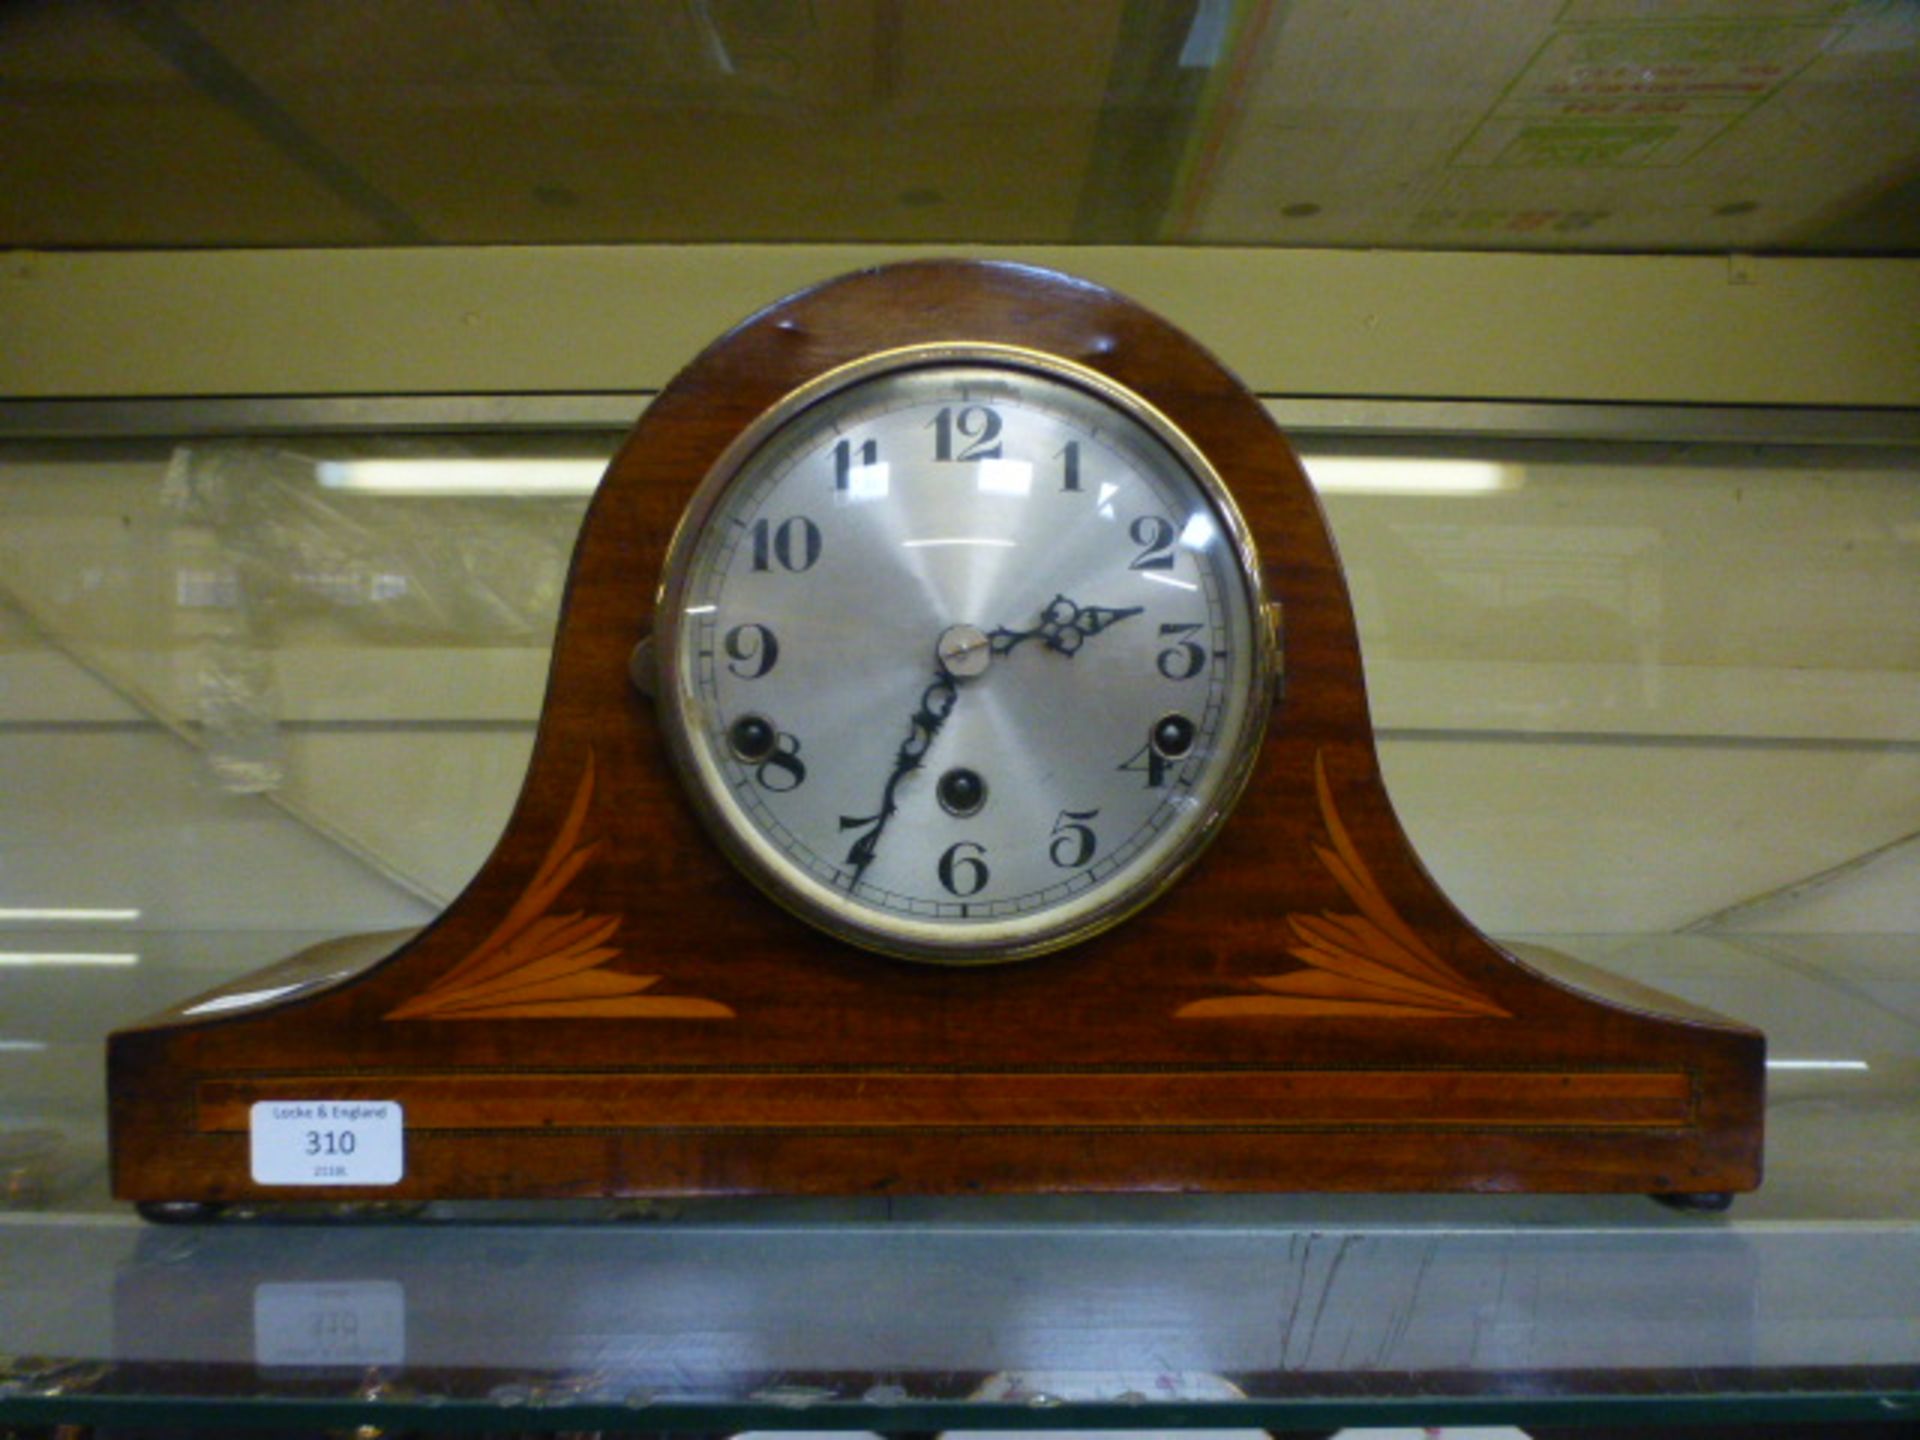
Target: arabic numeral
(1073, 841)
(794, 544)
(1149, 762)
(976, 427)
(963, 868)
(847, 457)
(1154, 534)
(331, 1142)
(1069, 458)
(1186, 657)
(751, 650)
(782, 770)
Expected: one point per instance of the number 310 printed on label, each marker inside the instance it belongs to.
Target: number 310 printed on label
(327, 1142)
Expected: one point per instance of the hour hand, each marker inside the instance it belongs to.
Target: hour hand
(1064, 626)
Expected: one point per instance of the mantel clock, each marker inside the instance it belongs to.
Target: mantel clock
(955, 775)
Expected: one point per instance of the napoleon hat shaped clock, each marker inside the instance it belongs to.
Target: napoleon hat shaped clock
(955, 775)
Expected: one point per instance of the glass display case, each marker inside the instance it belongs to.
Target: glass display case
(1646, 684)
(1594, 322)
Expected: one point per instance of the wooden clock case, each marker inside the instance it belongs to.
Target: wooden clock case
(610, 1009)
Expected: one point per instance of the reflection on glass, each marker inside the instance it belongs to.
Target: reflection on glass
(240, 999)
(1716, 640)
(869, 482)
(1172, 580)
(1199, 531)
(1818, 1065)
(65, 915)
(1005, 477)
(446, 475)
(1399, 475)
(66, 957)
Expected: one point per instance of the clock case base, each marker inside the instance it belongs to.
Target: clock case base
(611, 1010)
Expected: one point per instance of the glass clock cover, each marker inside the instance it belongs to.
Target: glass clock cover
(965, 653)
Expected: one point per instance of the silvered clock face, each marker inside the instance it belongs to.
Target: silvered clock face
(964, 653)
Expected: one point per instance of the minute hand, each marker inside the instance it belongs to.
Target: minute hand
(936, 703)
(1064, 626)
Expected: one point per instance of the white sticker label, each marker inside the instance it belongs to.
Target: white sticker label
(328, 1142)
(330, 1323)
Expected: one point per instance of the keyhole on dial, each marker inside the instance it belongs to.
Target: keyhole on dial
(962, 792)
(752, 738)
(1173, 737)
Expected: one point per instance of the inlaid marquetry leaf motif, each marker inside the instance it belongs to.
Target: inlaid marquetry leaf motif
(1368, 963)
(540, 965)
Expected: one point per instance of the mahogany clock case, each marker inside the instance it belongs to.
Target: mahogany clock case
(611, 1009)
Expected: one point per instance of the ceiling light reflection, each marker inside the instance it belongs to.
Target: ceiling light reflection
(66, 915)
(1199, 531)
(67, 957)
(1005, 477)
(461, 476)
(1402, 475)
(239, 999)
(1818, 1065)
(1168, 580)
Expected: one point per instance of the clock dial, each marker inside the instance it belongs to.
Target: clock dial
(965, 653)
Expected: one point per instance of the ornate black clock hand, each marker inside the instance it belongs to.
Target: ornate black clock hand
(936, 703)
(1064, 626)
(962, 652)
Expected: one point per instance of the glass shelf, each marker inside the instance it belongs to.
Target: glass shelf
(1248, 1312)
